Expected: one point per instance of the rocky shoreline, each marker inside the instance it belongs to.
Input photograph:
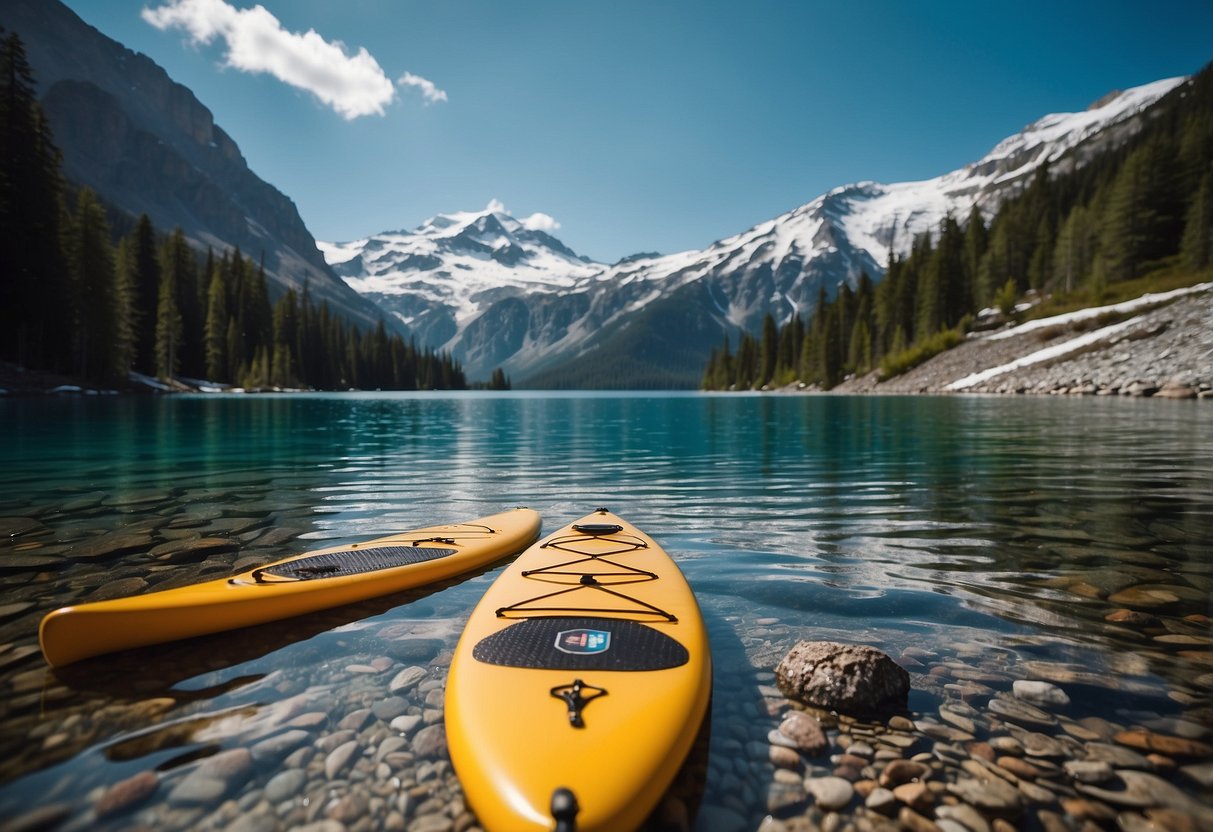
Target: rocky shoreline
(1164, 351)
(358, 743)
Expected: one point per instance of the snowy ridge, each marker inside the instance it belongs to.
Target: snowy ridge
(499, 291)
(455, 259)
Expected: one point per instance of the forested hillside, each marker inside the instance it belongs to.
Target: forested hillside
(1144, 209)
(75, 299)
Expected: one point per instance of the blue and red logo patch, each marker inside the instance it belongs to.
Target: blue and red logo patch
(583, 642)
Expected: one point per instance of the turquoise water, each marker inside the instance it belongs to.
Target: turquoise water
(1017, 524)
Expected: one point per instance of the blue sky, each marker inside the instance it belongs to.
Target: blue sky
(637, 126)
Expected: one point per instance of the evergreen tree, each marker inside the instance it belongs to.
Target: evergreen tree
(169, 327)
(179, 265)
(234, 351)
(286, 313)
(97, 348)
(976, 240)
(34, 329)
(350, 376)
(886, 307)
(1197, 244)
(217, 320)
(932, 288)
(790, 337)
(745, 366)
(843, 311)
(1040, 267)
(257, 376)
(905, 301)
(306, 344)
(261, 318)
(499, 380)
(145, 286)
(1143, 220)
(722, 378)
(1076, 248)
(859, 351)
(768, 355)
(126, 328)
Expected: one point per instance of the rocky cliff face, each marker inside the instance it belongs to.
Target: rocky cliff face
(147, 145)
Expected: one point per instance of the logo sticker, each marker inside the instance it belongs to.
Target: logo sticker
(583, 642)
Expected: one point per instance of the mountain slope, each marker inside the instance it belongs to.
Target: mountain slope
(147, 145)
(441, 276)
(574, 323)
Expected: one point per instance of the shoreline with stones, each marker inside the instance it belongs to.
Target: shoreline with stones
(1162, 352)
(1007, 746)
(1000, 753)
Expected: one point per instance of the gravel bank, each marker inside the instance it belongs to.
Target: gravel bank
(1165, 351)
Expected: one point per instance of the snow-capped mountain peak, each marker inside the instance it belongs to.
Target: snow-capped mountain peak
(1052, 136)
(501, 291)
(440, 275)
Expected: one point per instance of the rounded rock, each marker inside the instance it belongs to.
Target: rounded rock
(430, 741)
(805, 731)
(848, 678)
(127, 794)
(915, 795)
(339, 758)
(898, 772)
(830, 793)
(881, 801)
(1039, 693)
(285, 785)
(407, 679)
(1089, 771)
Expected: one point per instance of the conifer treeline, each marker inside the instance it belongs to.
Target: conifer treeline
(73, 301)
(1129, 211)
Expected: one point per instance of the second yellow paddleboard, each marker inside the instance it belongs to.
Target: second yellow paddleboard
(300, 584)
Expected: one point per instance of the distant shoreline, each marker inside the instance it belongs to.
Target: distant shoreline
(1164, 352)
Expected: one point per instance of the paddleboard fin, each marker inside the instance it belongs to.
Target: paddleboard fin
(564, 810)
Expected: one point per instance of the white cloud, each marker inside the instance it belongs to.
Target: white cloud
(352, 85)
(540, 222)
(429, 92)
(496, 206)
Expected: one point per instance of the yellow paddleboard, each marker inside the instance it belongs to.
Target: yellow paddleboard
(580, 683)
(293, 586)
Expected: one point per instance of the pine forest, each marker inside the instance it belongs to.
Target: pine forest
(76, 300)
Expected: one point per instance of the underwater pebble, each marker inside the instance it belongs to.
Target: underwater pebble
(830, 793)
(1038, 693)
(285, 785)
(127, 794)
(339, 758)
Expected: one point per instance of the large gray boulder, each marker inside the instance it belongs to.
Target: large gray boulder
(848, 678)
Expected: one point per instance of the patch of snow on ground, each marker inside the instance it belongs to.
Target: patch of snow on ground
(1047, 354)
(1087, 314)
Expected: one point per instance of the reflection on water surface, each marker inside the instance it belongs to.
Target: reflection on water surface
(981, 542)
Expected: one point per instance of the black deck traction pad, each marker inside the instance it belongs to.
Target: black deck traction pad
(352, 562)
(531, 643)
